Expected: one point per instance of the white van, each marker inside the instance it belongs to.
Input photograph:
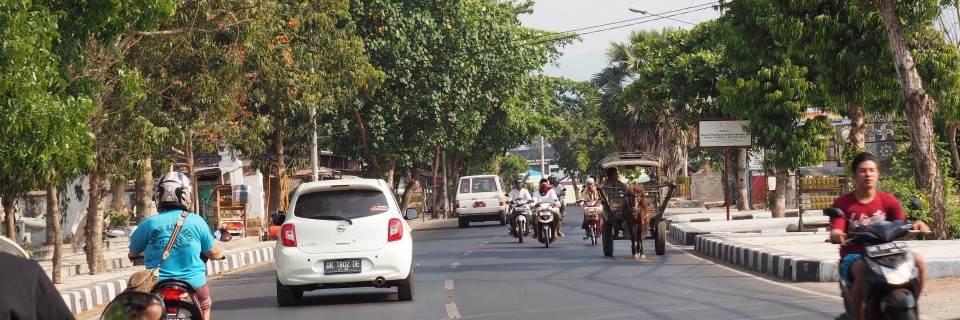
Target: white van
(481, 198)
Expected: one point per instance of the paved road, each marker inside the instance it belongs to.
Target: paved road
(481, 273)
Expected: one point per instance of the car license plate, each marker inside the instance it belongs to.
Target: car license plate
(341, 266)
(479, 204)
(885, 249)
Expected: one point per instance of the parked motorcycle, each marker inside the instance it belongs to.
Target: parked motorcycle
(545, 222)
(891, 279)
(591, 219)
(519, 212)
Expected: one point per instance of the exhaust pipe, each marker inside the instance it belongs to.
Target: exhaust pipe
(379, 281)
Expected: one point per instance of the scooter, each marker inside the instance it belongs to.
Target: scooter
(591, 219)
(891, 279)
(519, 212)
(545, 222)
(180, 298)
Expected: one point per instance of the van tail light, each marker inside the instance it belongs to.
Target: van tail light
(288, 235)
(458, 205)
(501, 203)
(394, 230)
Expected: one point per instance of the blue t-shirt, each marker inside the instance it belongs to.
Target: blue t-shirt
(184, 263)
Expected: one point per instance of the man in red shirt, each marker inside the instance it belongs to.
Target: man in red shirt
(864, 206)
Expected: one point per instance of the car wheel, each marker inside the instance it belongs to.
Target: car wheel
(287, 296)
(503, 218)
(405, 288)
(463, 222)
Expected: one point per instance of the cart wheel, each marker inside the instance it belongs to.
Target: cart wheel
(607, 240)
(661, 240)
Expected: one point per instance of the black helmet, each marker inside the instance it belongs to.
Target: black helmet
(518, 181)
(552, 179)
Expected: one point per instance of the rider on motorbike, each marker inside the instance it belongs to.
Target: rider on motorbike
(589, 193)
(864, 206)
(560, 191)
(546, 194)
(173, 196)
(518, 192)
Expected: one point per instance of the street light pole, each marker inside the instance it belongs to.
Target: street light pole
(642, 10)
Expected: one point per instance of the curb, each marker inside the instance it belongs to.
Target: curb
(82, 299)
(777, 264)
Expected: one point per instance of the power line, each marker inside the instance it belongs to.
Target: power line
(651, 18)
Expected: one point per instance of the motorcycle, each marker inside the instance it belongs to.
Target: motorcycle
(891, 280)
(519, 212)
(591, 219)
(545, 222)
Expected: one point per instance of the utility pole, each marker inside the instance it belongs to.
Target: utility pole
(543, 162)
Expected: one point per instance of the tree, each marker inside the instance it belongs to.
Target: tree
(583, 139)
(918, 105)
(778, 95)
(512, 167)
(45, 140)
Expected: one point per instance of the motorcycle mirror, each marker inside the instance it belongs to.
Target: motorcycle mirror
(279, 218)
(412, 213)
(915, 204)
(134, 305)
(833, 212)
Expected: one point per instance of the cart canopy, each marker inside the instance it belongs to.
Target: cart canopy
(629, 159)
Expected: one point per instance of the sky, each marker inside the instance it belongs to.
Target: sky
(582, 59)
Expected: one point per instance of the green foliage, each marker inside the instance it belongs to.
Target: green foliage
(583, 139)
(45, 137)
(901, 183)
(117, 218)
(512, 167)
(778, 96)
(455, 74)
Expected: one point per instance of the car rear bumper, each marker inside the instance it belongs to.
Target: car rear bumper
(390, 263)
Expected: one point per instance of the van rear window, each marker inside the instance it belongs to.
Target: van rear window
(484, 185)
(350, 204)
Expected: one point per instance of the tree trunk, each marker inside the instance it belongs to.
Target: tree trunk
(436, 191)
(741, 182)
(391, 172)
(779, 205)
(952, 141)
(192, 171)
(919, 108)
(858, 129)
(144, 188)
(93, 231)
(53, 219)
(117, 189)
(278, 191)
(8, 218)
(576, 188)
(412, 184)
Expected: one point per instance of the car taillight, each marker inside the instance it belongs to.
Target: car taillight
(395, 230)
(288, 235)
(174, 294)
(458, 205)
(501, 203)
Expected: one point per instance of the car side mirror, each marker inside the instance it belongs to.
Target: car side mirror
(279, 218)
(411, 213)
(833, 213)
(915, 204)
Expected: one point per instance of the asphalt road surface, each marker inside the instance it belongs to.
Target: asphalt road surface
(482, 273)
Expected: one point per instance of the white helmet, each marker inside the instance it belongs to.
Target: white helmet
(174, 191)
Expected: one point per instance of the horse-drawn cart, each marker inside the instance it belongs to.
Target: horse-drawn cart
(635, 209)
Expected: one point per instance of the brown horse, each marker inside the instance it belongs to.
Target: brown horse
(634, 216)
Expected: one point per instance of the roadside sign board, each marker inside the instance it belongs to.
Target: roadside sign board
(723, 134)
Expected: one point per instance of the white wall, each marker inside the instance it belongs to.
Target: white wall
(257, 196)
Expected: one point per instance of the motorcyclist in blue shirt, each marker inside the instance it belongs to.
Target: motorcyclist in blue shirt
(173, 197)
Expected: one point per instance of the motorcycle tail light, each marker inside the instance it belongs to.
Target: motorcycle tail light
(174, 294)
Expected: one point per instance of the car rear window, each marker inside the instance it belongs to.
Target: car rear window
(484, 185)
(349, 204)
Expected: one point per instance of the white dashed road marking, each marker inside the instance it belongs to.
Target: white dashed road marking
(448, 284)
(454, 265)
(452, 311)
(468, 252)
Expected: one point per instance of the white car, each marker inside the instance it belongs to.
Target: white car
(343, 234)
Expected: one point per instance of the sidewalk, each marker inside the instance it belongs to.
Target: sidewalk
(760, 243)
(84, 292)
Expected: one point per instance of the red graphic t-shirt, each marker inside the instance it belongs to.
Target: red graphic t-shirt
(883, 207)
